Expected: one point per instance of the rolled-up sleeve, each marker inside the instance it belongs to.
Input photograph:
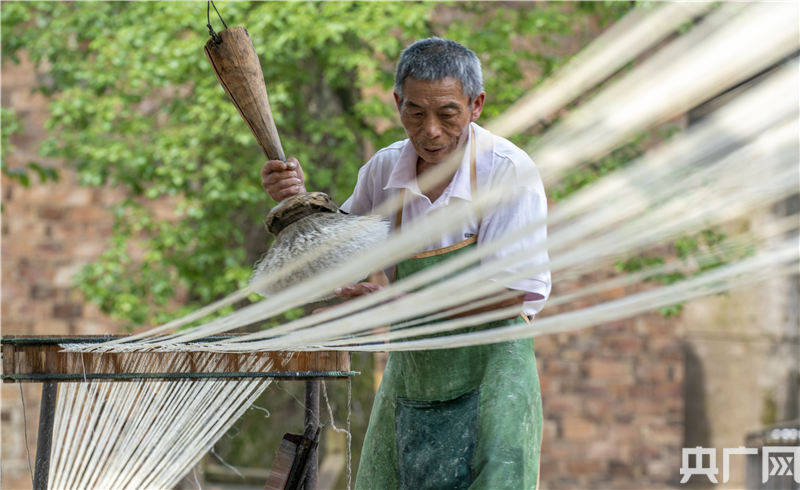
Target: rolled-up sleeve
(360, 201)
(525, 206)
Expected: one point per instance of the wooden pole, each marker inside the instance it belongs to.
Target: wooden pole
(43, 443)
(238, 70)
(311, 425)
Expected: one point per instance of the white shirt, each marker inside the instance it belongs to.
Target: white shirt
(498, 163)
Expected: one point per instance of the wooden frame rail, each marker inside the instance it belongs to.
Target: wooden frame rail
(41, 359)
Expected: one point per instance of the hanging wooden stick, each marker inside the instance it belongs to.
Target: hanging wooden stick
(238, 70)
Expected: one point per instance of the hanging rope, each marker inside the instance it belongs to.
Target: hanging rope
(25, 430)
(346, 430)
(211, 32)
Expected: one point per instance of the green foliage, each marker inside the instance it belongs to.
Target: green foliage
(769, 409)
(698, 253)
(10, 125)
(135, 105)
(589, 173)
(609, 11)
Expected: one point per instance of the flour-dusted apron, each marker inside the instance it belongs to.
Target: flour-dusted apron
(468, 417)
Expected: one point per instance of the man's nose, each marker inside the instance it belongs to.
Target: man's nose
(432, 128)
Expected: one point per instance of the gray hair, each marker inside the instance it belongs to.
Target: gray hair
(435, 58)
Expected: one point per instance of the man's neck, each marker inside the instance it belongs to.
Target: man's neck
(435, 190)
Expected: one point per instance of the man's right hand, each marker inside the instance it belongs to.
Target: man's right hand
(282, 179)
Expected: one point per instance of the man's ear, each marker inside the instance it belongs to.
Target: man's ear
(477, 106)
(397, 101)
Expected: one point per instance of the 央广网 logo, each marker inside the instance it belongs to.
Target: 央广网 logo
(775, 461)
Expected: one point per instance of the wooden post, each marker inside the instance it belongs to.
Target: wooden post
(311, 424)
(43, 443)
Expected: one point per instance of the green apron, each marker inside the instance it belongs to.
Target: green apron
(468, 417)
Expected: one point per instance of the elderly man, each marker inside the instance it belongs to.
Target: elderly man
(467, 417)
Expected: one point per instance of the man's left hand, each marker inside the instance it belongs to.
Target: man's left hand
(358, 289)
(352, 291)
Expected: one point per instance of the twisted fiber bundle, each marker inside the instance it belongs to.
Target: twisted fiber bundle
(354, 235)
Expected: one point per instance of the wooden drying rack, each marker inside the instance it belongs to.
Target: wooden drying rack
(40, 359)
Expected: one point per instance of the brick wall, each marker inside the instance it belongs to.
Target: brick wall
(613, 405)
(49, 231)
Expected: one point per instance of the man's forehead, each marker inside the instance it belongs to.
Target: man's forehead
(445, 105)
(445, 91)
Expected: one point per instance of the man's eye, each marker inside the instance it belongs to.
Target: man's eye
(447, 116)
(416, 114)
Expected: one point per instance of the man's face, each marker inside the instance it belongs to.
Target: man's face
(435, 114)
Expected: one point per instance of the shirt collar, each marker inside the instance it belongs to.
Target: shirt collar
(404, 173)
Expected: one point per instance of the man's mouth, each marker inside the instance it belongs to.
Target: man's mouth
(433, 150)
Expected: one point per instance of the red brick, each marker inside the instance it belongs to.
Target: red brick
(669, 390)
(22, 99)
(578, 429)
(52, 212)
(50, 247)
(64, 274)
(41, 291)
(50, 326)
(625, 343)
(82, 196)
(615, 293)
(67, 310)
(600, 368)
(557, 367)
(557, 403)
(660, 470)
(547, 384)
(88, 249)
(601, 449)
(549, 430)
(597, 409)
(620, 470)
(88, 214)
(586, 467)
(16, 326)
